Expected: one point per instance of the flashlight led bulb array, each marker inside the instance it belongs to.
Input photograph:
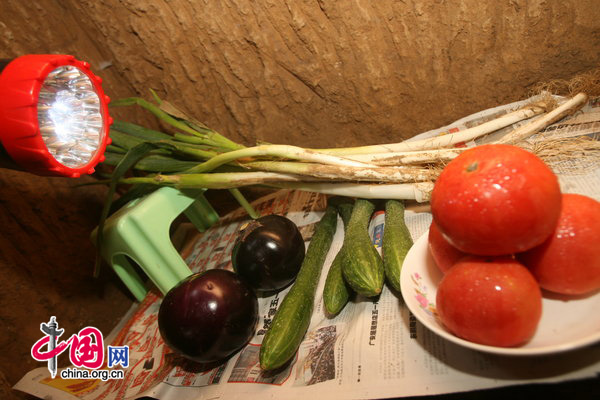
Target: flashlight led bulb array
(53, 115)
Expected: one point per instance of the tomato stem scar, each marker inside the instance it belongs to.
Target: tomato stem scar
(472, 167)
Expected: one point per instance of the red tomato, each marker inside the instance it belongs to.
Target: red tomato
(569, 261)
(444, 254)
(495, 302)
(496, 199)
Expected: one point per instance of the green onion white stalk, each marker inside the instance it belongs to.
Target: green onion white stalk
(432, 156)
(334, 172)
(525, 131)
(448, 139)
(420, 191)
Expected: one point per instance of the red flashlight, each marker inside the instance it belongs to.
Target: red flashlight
(53, 115)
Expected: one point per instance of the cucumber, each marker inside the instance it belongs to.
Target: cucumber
(293, 316)
(363, 266)
(336, 292)
(396, 242)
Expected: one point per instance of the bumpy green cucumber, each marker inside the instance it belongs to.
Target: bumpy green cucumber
(363, 267)
(336, 292)
(396, 242)
(293, 316)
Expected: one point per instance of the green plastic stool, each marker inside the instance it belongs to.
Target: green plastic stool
(140, 231)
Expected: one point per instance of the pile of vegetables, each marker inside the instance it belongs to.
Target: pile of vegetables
(270, 253)
(191, 155)
(211, 315)
(357, 267)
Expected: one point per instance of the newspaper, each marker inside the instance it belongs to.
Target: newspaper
(372, 349)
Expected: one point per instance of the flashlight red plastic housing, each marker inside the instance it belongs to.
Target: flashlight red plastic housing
(20, 83)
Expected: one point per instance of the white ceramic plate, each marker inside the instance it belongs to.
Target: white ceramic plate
(566, 324)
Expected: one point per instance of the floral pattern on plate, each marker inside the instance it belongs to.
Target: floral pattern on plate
(421, 295)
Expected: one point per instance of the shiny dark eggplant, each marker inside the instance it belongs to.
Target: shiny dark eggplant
(208, 316)
(268, 253)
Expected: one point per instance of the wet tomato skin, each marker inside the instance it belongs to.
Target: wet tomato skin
(496, 199)
(208, 316)
(444, 254)
(492, 301)
(568, 262)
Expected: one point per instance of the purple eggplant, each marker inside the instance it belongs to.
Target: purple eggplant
(208, 316)
(268, 253)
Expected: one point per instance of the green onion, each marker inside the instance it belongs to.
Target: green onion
(193, 155)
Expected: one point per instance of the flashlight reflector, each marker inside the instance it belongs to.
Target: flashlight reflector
(69, 116)
(53, 115)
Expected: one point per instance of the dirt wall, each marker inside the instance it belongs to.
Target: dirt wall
(316, 73)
